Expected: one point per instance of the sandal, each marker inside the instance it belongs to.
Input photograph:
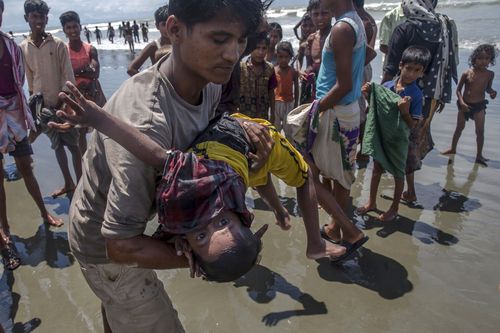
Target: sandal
(10, 259)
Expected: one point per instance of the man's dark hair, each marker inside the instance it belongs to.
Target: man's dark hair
(359, 3)
(69, 16)
(36, 6)
(486, 48)
(313, 4)
(416, 55)
(276, 27)
(161, 14)
(235, 262)
(285, 47)
(2, 6)
(192, 12)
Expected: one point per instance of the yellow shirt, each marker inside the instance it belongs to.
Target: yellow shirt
(284, 161)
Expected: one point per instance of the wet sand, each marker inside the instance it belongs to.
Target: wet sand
(435, 269)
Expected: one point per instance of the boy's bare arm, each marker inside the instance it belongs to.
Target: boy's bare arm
(404, 109)
(460, 86)
(136, 64)
(86, 113)
(268, 194)
(489, 89)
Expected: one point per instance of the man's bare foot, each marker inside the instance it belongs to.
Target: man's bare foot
(324, 249)
(53, 221)
(283, 220)
(62, 191)
(388, 216)
(481, 161)
(449, 152)
(368, 207)
(406, 196)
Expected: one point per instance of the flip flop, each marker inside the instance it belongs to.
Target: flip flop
(350, 248)
(325, 236)
(10, 259)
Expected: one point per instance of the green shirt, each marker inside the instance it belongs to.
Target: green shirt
(390, 21)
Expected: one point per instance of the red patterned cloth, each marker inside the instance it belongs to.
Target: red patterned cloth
(194, 190)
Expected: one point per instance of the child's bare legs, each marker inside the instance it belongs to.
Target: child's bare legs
(410, 195)
(24, 166)
(458, 132)
(479, 121)
(268, 194)
(392, 213)
(4, 230)
(317, 247)
(325, 189)
(62, 160)
(375, 181)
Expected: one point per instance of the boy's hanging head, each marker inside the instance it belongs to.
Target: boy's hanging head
(36, 6)
(161, 15)
(191, 12)
(205, 201)
(416, 55)
(68, 17)
(487, 49)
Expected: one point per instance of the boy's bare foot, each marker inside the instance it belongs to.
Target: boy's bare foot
(62, 191)
(368, 207)
(325, 249)
(481, 161)
(283, 220)
(484, 158)
(408, 197)
(388, 216)
(53, 221)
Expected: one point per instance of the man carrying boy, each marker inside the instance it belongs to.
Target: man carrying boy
(414, 61)
(48, 67)
(114, 199)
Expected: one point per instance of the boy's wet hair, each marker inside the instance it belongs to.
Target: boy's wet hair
(275, 26)
(161, 14)
(265, 39)
(69, 16)
(313, 4)
(235, 262)
(486, 48)
(191, 12)
(416, 55)
(285, 47)
(36, 6)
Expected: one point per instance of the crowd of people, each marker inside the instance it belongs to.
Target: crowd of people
(226, 105)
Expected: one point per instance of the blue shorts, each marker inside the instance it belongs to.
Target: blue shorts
(23, 148)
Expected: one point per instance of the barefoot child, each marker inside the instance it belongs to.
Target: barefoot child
(471, 97)
(224, 140)
(287, 91)
(413, 63)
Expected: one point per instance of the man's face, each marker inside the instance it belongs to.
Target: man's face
(162, 28)
(37, 22)
(260, 52)
(72, 30)
(217, 237)
(211, 49)
(321, 17)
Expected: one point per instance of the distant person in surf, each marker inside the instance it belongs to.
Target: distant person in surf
(111, 33)
(98, 35)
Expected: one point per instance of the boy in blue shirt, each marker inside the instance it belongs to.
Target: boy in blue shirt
(412, 67)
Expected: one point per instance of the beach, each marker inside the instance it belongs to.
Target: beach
(435, 269)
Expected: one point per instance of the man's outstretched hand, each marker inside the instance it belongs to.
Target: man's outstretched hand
(78, 111)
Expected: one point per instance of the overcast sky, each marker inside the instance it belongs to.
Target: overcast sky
(93, 11)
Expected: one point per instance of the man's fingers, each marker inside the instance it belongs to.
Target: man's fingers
(74, 90)
(60, 127)
(77, 109)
